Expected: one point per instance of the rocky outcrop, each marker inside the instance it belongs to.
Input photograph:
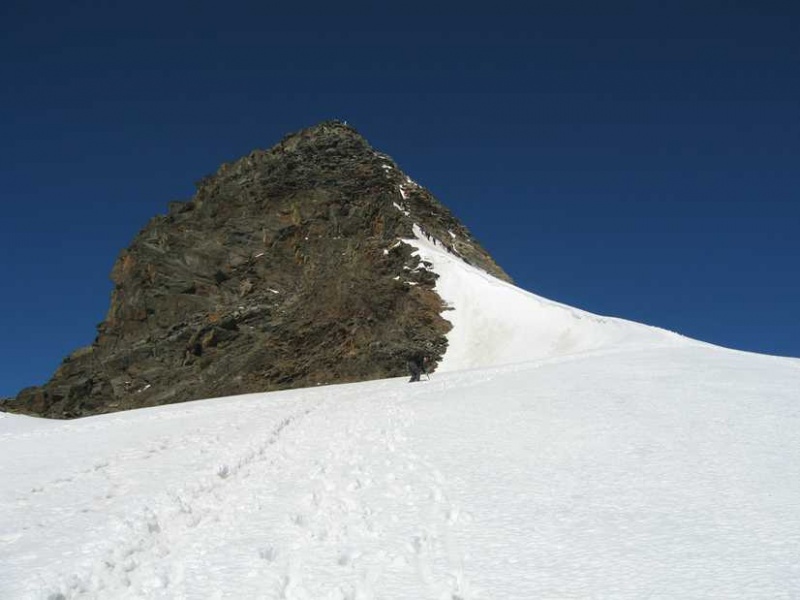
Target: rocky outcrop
(284, 270)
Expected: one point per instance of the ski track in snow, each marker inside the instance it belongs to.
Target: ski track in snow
(550, 478)
(134, 564)
(294, 511)
(365, 489)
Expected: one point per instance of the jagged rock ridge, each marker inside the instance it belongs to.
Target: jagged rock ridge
(284, 270)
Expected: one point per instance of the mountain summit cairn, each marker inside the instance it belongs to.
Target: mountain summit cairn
(286, 269)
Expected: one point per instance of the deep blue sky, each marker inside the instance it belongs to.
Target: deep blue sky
(640, 160)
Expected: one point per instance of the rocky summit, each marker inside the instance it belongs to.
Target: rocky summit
(286, 269)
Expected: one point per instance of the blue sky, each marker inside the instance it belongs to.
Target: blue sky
(638, 160)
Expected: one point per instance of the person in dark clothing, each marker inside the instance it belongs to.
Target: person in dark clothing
(416, 366)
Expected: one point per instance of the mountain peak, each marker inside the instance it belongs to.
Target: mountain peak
(286, 269)
(328, 127)
(325, 135)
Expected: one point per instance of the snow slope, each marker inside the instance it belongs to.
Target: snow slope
(556, 455)
(496, 323)
(664, 472)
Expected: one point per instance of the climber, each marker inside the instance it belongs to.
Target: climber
(417, 362)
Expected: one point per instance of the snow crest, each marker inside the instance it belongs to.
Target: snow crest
(496, 323)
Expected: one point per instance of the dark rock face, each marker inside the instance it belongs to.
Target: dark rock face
(284, 270)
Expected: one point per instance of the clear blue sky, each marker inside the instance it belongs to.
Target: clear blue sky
(640, 160)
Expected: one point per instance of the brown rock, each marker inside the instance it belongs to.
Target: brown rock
(284, 270)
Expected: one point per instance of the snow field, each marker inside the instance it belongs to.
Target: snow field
(663, 472)
(245, 503)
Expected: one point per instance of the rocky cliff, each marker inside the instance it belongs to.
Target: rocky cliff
(284, 270)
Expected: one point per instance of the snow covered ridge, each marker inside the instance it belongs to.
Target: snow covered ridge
(496, 323)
